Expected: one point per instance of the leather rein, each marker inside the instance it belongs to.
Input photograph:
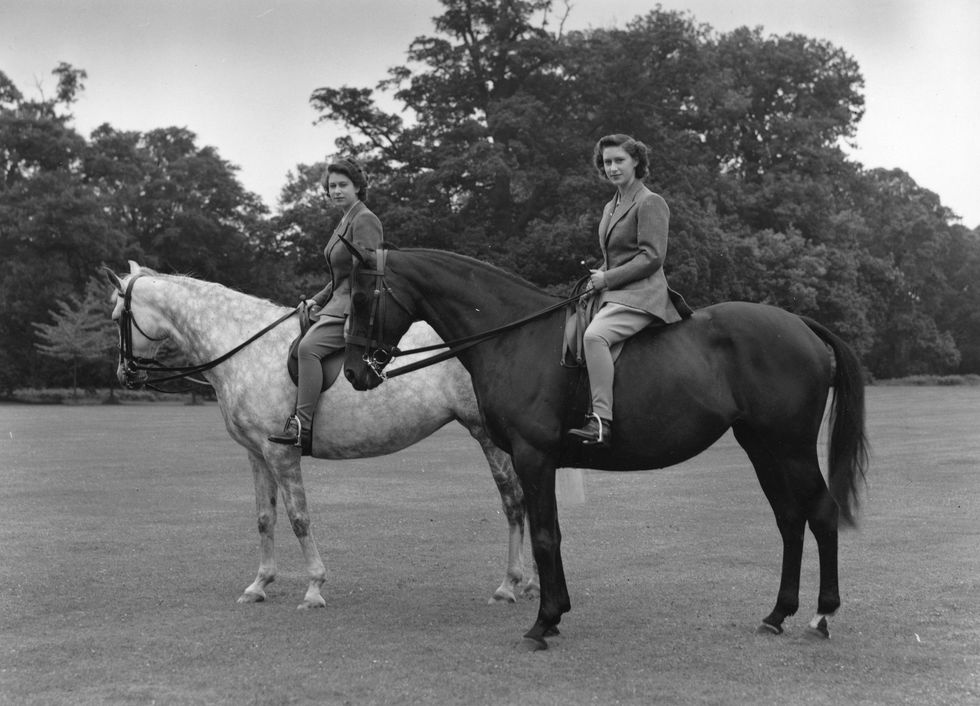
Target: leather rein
(378, 353)
(133, 364)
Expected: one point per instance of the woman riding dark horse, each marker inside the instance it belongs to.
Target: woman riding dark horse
(630, 286)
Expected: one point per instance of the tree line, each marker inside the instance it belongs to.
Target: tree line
(489, 154)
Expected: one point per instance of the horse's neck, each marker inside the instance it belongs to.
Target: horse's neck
(207, 320)
(464, 300)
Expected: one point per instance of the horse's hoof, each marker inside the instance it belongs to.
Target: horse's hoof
(250, 597)
(819, 628)
(311, 604)
(502, 596)
(769, 629)
(552, 631)
(532, 644)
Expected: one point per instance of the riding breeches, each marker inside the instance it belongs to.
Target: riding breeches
(322, 339)
(612, 324)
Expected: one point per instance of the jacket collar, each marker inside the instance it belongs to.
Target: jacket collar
(617, 211)
(630, 196)
(348, 217)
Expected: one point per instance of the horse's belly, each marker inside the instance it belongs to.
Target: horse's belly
(352, 424)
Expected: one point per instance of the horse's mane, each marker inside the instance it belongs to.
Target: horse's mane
(203, 286)
(477, 264)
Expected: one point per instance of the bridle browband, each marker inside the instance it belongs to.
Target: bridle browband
(374, 343)
(133, 364)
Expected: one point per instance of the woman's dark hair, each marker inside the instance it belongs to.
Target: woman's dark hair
(634, 148)
(352, 170)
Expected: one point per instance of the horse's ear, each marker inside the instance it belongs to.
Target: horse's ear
(134, 268)
(113, 278)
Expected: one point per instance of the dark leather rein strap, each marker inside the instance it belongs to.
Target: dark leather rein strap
(454, 347)
(134, 363)
(458, 345)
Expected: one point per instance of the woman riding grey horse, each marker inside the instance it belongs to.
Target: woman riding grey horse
(347, 188)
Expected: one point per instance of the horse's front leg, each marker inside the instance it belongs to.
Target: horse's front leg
(537, 474)
(266, 490)
(512, 501)
(294, 497)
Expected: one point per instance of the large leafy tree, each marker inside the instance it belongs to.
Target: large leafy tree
(304, 222)
(53, 229)
(960, 312)
(506, 108)
(181, 206)
(487, 146)
(68, 205)
(490, 155)
(911, 234)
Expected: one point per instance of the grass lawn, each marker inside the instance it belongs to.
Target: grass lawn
(127, 533)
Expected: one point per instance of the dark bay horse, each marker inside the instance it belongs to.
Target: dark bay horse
(759, 370)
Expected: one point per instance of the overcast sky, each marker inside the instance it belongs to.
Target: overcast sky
(239, 73)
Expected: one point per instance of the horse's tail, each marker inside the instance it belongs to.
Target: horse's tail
(847, 453)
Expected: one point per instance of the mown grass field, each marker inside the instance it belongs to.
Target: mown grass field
(127, 533)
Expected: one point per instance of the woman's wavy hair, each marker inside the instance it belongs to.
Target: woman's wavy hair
(633, 147)
(352, 170)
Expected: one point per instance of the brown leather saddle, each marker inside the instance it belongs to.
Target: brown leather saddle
(332, 364)
(579, 314)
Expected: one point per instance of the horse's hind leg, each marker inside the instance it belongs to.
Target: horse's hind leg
(512, 500)
(266, 490)
(786, 482)
(823, 520)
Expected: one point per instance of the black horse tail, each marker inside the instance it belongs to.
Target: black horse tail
(847, 453)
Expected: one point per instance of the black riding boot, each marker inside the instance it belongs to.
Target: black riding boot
(596, 432)
(295, 434)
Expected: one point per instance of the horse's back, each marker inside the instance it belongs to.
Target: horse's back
(745, 335)
(681, 387)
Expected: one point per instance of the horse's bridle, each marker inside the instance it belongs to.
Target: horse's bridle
(377, 353)
(135, 368)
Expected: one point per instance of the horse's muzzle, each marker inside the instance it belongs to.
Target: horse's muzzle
(131, 379)
(362, 379)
